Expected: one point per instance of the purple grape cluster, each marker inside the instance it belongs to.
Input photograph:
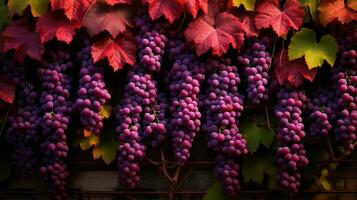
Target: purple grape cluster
(322, 111)
(92, 92)
(223, 105)
(24, 121)
(256, 61)
(152, 42)
(141, 114)
(184, 80)
(291, 155)
(56, 108)
(345, 80)
(227, 171)
(346, 123)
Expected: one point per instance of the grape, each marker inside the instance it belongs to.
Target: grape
(223, 105)
(256, 62)
(151, 43)
(56, 108)
(184, 84)
(21, 134)
(291, 156)
(92, 92)
(345, 80)
(140, 114)
(227, 170)
(322, 111)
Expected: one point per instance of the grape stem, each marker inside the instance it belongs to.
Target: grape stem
(333, 157)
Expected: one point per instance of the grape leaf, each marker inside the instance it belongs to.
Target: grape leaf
(312, 5)
(55, 25)
(292, 72)
(107, 150)
(7, 91)
(20, 36)
(325, 183)
(38, 7)
(248, 4)
(3, 14)
(303, 43)
(88, 141)
(171, 9)
(206, 32)
(113, 19)
(74, 10)
(269, 13)
(247, 20)
(119, 51)
(256, 135)
(113, 2)
(105, 111)
(330, 10)
(214, 192)
(193, 6)
(254, 168)
(352, 4)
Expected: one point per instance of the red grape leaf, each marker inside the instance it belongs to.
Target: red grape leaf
(247, 20)
(113, 2)
(119, 51)
(193, 6)
(20, 36)
(329, 10)
(57, 4)
(75, 10)
(7, 91)
(113, 19)
(292, 72)
(171, 9)
(206, 32)
(270, 13)
(55, 24)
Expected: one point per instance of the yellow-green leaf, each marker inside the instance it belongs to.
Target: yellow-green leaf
(304, 44)
(107, 150)
(3, 14)
(17, 6)
(88, 142)
(324, 181)
(248, 4)
(106, 111)
(312, 5)
(38, 7)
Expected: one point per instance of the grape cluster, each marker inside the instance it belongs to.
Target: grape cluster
(56, 108)
(92, 92)
(227, 170)
(151, 43)
(184, 84)
(322, 111)
(24, 121)
(345, 80)
(291, 155)
(223, 105)
(256, 62)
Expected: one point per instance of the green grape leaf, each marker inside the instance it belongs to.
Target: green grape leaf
(256, 135)
(325, 183)
(86, 141)
(215, 192)
(254, 168)
(312, 5)
(38, 7)
(304, 43)
(248, 4)
(3, 14)
(105, 111)
(107, 150)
